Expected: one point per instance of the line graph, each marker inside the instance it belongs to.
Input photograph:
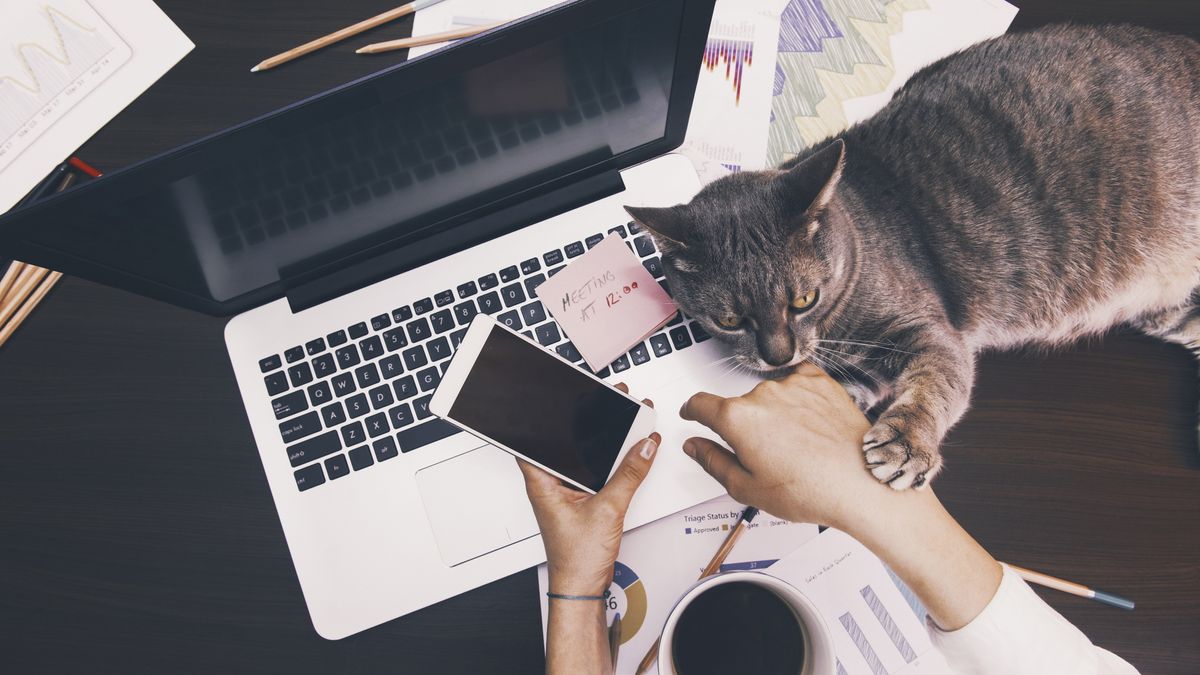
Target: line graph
(53, 55)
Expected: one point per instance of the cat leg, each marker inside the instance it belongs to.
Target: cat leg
(1180, 325)
(932, 393)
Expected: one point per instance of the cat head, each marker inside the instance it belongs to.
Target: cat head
(759, 257)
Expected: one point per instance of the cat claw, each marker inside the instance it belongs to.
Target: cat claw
(895, 462)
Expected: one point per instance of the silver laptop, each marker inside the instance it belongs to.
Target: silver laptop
(355, 235)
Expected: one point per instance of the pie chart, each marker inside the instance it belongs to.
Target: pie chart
(629, 594)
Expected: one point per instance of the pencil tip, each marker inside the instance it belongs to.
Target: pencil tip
(254, 69)
(360, 50)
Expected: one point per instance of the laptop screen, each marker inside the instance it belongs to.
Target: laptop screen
(386, 160)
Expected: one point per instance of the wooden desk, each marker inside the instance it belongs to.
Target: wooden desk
(138, 534)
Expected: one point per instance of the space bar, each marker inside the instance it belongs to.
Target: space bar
(424, 434)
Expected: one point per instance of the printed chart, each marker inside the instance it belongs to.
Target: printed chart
(730, 58)
(46, 72)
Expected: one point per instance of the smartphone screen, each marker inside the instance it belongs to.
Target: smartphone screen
(528, 400)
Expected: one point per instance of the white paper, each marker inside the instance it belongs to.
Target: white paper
(875, 629)
(66, 68)
(661, 560)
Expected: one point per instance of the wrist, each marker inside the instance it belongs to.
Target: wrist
(564, 583)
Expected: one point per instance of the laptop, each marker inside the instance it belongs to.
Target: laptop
(353, 235)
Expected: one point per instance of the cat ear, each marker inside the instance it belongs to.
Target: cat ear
(808, 187)
(669, 226)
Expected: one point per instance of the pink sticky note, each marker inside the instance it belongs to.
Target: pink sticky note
(606, 302)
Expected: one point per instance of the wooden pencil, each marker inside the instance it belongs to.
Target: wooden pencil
(22, 313)
(10, 278)
(421, 41)
(338, 36)
(30, 277)
(1071, 587)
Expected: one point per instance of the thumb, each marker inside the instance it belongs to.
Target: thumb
(718, 463)
(633, 470)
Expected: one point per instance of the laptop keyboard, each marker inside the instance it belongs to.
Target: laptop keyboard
(360, 395)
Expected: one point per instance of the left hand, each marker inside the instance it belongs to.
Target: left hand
(582, 532)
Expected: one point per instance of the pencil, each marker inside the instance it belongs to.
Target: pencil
(614, 641)
(421, 41)
(713, 566)
(348, 31)
(10, 278)
(1071, 587)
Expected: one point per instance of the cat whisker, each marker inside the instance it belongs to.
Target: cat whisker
(841, 357)
(861, 343)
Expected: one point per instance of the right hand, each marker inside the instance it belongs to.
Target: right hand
(798, 445)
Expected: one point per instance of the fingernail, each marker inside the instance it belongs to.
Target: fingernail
(647, 448)
(689, 448)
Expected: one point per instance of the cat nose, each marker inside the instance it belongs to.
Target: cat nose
(777, 350)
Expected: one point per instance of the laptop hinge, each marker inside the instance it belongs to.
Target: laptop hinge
(452, 240)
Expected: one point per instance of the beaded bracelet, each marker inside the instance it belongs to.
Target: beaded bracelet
(560, 596)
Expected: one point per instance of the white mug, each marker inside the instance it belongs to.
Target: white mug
(819, 656)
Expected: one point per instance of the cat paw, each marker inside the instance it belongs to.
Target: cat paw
(896, 457)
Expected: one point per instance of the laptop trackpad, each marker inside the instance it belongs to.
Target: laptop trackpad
(476, 503)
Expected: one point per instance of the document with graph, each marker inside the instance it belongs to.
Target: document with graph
(67, 67)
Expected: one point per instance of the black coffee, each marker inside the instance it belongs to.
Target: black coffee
(735, 628)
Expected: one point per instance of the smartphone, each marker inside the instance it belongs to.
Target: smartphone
(532, 403)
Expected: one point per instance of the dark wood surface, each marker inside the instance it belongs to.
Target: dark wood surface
(137, 533)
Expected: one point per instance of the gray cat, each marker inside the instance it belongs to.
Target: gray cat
(1035, 188)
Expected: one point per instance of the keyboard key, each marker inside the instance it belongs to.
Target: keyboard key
(294, 354)
(533, 282)
(270, 363)
(547, 334)
(347, 357)
(371, 348)
(276, 383)
(621, 364)
(401, 314)
(654, 267)
(528, 334)
(439, 348)
(401, 416)
(385, 449)
(634, 228)
(360, 458)
(509, 273)
(466, 290)
(423, 306)
(424, 434)
(680, 337)
(603, 372)
(377, 425)
(574, 249)
(428, 379)
(367, 376)
(456, 338)
(357, 406)
(391, 367)
(405, 387)
(343, 384)
(415, 358)
(337, 338)
(660, 344)
(381, 397)
(300, 427)
(394, 339)
(421, 407)
(314, 448)
(511, 318)
(300, 374)
(533, 313)
(489, 303)
(465, 311)
(619, 231)
(488, 281)
(512, 294)
(324, 366)
(593, 240)
(639, 355)
(319, 394)
(676, 320)
(352, 434)
(644, 246)
(309, 477)
(333, 415)
(699, 333)
(442, 321)
(286, 406)
(314, 346)
(337, 467)
(418, 330)
(552, 258)
(380, 322)
(556, 270)
(358, 330)
(567, 351)
(530, 266)
(444, 298)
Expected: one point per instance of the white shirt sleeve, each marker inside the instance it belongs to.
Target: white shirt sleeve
(1019, 634)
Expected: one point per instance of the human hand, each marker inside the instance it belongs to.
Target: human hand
(582, 532)
(798, 445)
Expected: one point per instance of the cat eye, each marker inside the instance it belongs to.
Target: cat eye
(729, 322)
(803, 303)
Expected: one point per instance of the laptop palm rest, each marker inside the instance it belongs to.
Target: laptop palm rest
(475, 503)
